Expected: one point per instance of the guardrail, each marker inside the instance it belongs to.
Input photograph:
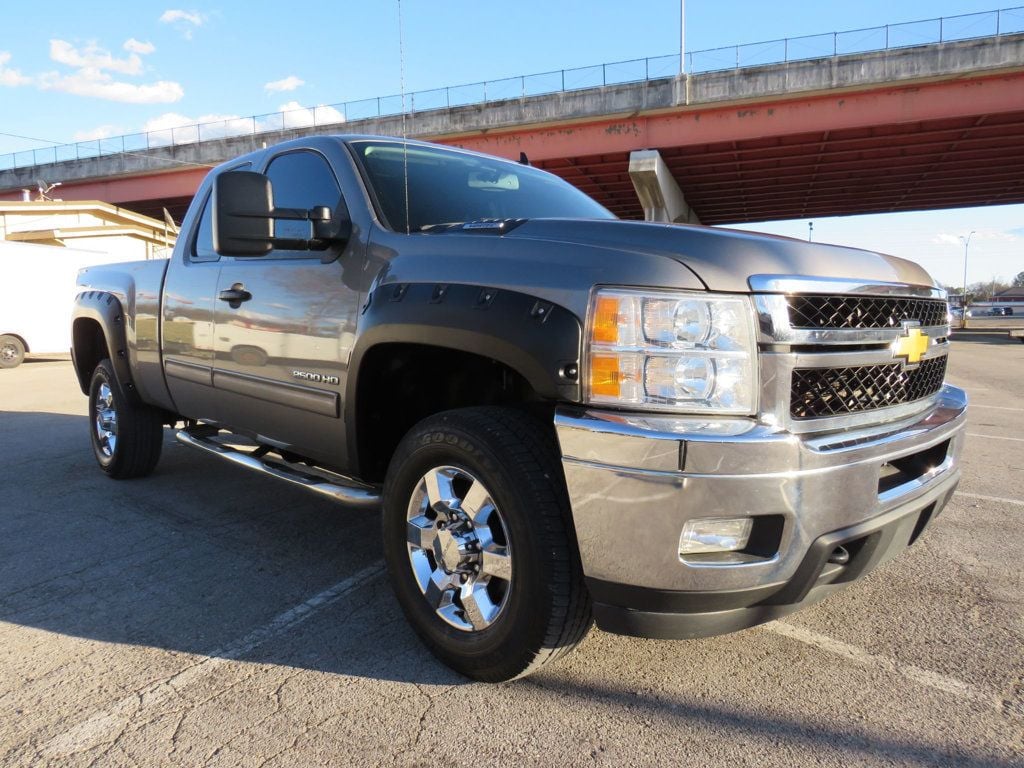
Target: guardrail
(969, 26)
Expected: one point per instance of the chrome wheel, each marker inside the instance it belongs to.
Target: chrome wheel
(105, 420)
(458, 548)
(8, 352)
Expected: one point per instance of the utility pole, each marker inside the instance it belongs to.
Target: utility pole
(967, 242)
(682, 37)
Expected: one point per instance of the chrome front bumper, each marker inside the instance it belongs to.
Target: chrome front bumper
(634, 480)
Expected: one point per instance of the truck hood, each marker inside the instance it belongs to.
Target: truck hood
(724, 259)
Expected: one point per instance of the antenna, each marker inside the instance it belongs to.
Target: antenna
(169, 222)
(405, 138)
(45, 189)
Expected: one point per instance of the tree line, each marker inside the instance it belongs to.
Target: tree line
(986, 290)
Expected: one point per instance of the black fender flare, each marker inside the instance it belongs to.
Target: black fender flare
(104, 309)
(536, 338)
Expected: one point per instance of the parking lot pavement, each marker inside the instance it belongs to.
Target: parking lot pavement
(208, 616)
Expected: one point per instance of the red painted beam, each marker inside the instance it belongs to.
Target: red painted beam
(177, 183)
(921, 142)
(807, 173)
(704, 125)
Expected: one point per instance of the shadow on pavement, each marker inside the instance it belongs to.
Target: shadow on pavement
(34, 360)
(980, 336)
(190, 559)
(855, 744)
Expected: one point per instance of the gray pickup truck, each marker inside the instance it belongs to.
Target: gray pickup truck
(676, 431)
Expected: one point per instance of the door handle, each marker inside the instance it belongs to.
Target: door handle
(235, 295)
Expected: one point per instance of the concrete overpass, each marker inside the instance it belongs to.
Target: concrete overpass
(930, 126)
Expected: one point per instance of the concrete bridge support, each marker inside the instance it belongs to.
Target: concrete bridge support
(659, 193)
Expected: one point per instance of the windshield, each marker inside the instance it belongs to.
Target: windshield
(447, 187)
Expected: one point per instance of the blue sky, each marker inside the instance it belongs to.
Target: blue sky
(74, 71)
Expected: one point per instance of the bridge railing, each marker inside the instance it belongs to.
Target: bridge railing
(1006, 21)
(945, 29)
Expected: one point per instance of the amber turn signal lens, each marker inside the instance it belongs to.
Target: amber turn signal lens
(604, 375)
(606, 320)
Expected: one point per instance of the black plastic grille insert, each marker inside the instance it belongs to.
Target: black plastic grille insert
(822, 392)
(863, 311)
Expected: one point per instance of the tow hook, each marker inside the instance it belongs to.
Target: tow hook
(839, 556)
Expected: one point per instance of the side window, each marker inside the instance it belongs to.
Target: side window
(301, 179)
(202, 247)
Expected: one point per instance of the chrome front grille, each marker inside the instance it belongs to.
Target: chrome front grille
(830, 351)
(823, 392)
(863, 311)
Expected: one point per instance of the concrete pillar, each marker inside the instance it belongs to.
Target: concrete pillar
(659, 194)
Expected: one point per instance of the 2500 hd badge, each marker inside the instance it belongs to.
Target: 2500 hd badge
(316, 378)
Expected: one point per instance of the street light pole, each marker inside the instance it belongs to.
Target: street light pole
(967, 242)
(682, 37)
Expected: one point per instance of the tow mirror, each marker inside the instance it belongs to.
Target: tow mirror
(244, 219)
(243, 222)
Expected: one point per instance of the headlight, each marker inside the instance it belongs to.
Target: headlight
(671, 351)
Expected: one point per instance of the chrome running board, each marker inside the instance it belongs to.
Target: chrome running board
(350, 492)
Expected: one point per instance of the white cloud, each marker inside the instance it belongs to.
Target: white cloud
(996, 235)
(92, 57)
(91, 76)
(137, 46)
(172, 127)
(99, 132)
(1001, 235)
(175, 128)
(99, 85)
(294, 115)
(289, 83)
(184, 21)
(189, 17)
(166, 120)
(9, 76)
(175, 120)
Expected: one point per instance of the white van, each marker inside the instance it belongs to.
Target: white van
(37, 289)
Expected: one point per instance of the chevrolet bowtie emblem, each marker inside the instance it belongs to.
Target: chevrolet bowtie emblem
(911, 347)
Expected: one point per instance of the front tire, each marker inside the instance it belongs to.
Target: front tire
(12, 351)
(127, 437)
(479, 543)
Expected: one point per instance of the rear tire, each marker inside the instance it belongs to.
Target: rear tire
(488, 576)
(12, 352)
(126, 436)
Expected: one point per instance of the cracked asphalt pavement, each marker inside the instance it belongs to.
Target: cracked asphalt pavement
(209, 616)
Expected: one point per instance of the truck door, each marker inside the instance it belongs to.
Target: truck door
(282, 352)
(187, 319)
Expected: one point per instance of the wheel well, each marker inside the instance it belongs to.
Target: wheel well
(401, 384)
(90, 346)
(20, 338)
